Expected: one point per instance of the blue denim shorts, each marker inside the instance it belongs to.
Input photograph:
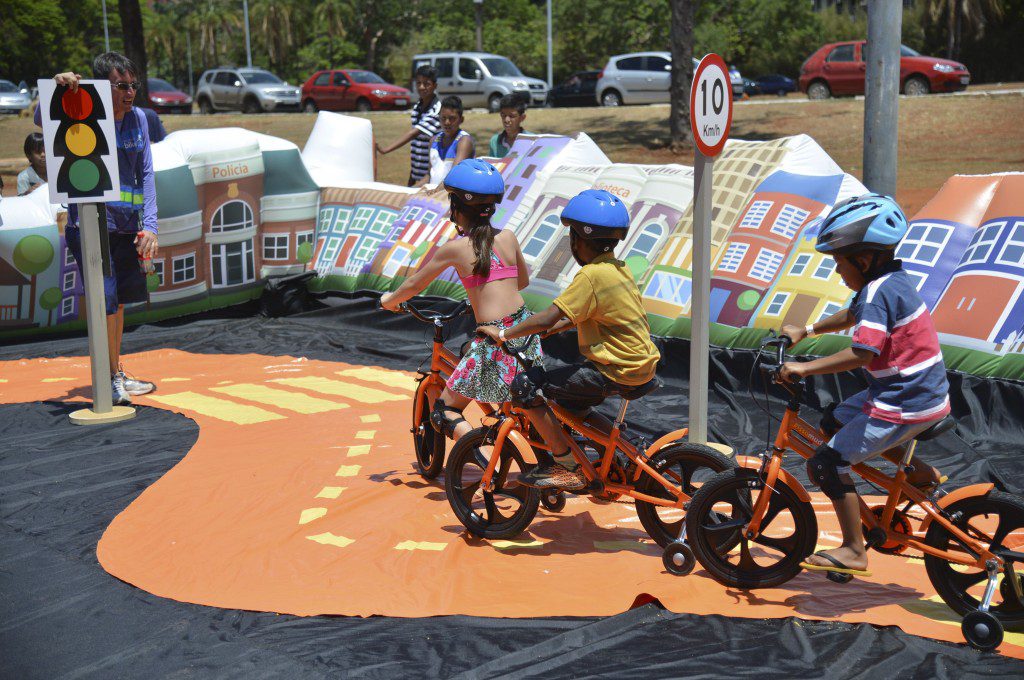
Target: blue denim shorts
(862, 437)
(126, 283)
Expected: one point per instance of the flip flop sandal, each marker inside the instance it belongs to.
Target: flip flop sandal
(837, 568)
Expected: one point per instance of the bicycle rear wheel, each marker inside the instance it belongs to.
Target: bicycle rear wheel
(687, 466)
(504, 512)
(996, 520)
(714, 528)
(428, 442)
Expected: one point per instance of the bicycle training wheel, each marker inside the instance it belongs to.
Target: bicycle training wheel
(428, 442)
(504, 512)
(714, 528)
(687, 466)
(996, 520)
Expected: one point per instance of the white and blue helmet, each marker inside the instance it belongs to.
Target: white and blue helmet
(868, 222)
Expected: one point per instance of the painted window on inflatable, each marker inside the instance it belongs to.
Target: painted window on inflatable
(825, 268)
(362, 218)
(669, 287)
(924, 243)
(754, 216)
(981, 244)
(647, 240)
(232, 216)
(328, 255)
(733, 257)
(232, 264)
(303, 237)
(326, 215)
(541, 236)
(275, 247)
(69, 281)
(367, 247)
(69, 259)
(789, 220)
(183, 268)
(67, 307)
(799, 264)
(158, 269)
(382, 222)
(1013, 251)
(917, 278)
(774, 307)
(830, 309)
(766, 264)
(397, 260)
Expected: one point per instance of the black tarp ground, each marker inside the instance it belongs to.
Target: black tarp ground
(62, 616)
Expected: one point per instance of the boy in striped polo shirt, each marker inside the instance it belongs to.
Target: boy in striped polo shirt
(895, 341)
(426, 122)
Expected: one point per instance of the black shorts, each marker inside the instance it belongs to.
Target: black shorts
(580, 387)
(126, 283)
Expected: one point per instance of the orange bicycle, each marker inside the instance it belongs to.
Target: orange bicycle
(752, 526)
(482, 474)
(428, 442)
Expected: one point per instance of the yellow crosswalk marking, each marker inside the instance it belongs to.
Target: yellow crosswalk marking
(360, 450)
(517, 543)
(366, 434)
(372, 418)
(291, 401)
(330, 492)
(340, 388)
(327, 538)
(214, 407)
(50, 380)
(616, 546)
(379, 375)
(347, 471)
(167, 380)
(310, 514)
(420, 545)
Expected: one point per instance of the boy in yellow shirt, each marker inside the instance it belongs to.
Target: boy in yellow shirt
(603, 303)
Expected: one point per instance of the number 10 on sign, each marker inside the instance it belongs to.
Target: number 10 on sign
(710, 119)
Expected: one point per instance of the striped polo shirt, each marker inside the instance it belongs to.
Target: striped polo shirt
(907, 377)
(428, 122)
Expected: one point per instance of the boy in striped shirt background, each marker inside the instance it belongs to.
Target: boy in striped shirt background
(426, 122)
(895, 341)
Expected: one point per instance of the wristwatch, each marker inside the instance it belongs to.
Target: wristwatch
(501, 335)
(809, 330)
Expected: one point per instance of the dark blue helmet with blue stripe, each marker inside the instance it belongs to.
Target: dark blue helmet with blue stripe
(596, 213)
(869, 222)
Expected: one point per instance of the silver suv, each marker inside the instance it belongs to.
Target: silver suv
(250, 90)
(637, 78)
(479, 78)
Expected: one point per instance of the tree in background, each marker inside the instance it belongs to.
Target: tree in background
(32, 256)
(135, 43)
(683, 12)
(975, 15)
(49, 300)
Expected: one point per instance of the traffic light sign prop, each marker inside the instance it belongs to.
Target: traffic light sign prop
(81, 145)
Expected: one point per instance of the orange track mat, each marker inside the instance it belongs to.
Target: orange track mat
(300, 497)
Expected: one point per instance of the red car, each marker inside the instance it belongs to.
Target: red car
(352, 90)
(839, 68)
(165, 98)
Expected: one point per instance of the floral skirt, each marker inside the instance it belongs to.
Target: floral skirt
(486, 371)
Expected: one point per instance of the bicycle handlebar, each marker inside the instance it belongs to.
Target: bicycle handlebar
(780, 343)
(433, 317)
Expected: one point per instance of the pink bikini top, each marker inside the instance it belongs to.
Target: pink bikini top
(498, 272)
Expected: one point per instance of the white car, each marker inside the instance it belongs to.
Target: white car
(12, 98)
(636, 78)
(736, 80)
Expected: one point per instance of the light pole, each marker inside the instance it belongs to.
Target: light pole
(479, 6)
(106, 31)
(248, 50)
(550, 62)
(881, 96)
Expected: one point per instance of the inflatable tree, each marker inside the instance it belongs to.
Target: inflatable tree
(32, 256)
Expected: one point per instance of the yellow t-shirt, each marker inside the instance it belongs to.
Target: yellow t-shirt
(603, 302)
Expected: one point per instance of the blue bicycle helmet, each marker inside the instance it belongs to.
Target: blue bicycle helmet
(475, 182)
(869, 222)
(595, 213)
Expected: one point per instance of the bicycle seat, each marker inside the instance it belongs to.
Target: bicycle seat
(944, 425)
(641, 390)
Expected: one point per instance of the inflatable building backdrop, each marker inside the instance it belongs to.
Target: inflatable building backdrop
(236, 208)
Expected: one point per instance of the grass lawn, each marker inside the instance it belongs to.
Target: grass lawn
(938, 136)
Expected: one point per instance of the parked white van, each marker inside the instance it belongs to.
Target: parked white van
(479, 79)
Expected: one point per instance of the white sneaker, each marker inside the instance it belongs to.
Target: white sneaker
(136, 387)
(119, 393)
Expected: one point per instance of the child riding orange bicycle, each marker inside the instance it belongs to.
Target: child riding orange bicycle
(491, 266)
(894, 340)
(603, 303)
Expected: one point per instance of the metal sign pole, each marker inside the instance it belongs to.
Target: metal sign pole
(102, 410)
(700, 308)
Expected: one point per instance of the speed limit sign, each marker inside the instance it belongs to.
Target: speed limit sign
(711, 105)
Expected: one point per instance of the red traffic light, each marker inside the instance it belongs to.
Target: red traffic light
(77, 104)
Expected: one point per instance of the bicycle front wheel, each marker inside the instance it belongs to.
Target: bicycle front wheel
(428, 442)
(724, 506)
(995, 520)
(508, 509)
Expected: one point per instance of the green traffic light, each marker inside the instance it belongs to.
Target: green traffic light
(84, 175)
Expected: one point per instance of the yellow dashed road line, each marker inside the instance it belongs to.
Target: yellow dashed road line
(330, 492)
(347, 471)
(379, 375)
(360, 450)
(518, 543)
(52, 380)
(372, 418)
(366, 434)
(292, 401)
(167, 380)
(340, 388)
(221, 409)
(420, 545)
(310, 514)
(616, 546)
(327, 538)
